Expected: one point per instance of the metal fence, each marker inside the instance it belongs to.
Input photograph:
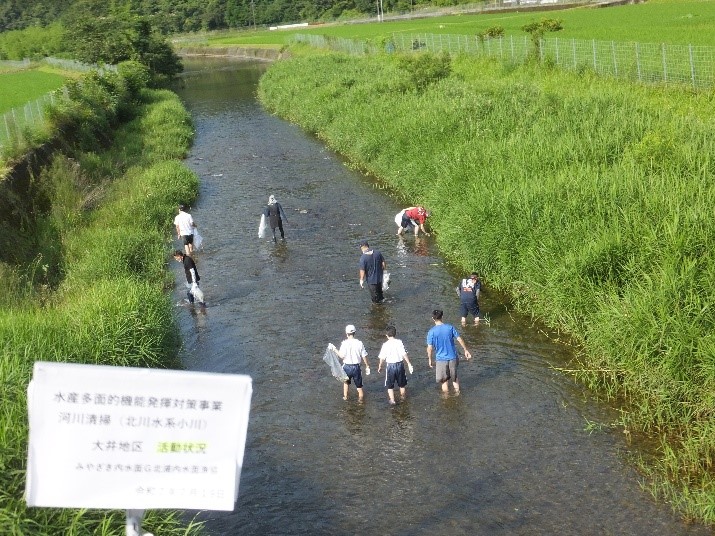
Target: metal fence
(14, 64)
(642, 62)
(73, 65)
(349, 46)
(16, 124)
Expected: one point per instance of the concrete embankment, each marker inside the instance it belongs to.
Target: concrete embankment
(265, 54)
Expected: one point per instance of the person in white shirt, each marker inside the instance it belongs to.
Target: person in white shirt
(185, 226)
(352, 351)
(394, 354)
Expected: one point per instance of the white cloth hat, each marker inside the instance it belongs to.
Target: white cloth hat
(350, 329)
(271, 200)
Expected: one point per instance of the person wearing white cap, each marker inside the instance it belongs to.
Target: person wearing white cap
(275, 215)
(352, 351)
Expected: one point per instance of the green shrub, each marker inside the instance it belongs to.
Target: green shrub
(425, 69)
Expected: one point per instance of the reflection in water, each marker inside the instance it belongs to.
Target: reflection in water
(508, 456)
(420, 247)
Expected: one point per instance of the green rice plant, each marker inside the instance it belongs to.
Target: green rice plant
(18, 88)
(586, 199)
(661, 21)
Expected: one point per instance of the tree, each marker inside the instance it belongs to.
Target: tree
(538, 29)
(112, 39)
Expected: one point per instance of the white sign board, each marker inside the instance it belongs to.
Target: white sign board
(131, 438)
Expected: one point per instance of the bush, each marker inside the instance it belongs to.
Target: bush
(425, 69)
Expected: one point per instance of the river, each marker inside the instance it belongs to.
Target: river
(520, 451)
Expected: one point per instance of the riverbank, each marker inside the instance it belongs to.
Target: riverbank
(271, 53)
(86, 280)
(583, 198)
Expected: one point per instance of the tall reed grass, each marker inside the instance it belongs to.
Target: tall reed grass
(588, 200)
(102, 233)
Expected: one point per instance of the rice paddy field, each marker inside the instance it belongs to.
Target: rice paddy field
(681, 22)
(20, 87)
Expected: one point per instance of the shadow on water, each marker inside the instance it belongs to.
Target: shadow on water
(510, 455)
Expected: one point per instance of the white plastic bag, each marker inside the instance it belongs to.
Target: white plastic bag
(385, 280)
(198, 240)
(262, 227)
(197, 293)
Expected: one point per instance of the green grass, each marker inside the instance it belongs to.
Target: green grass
(96, 292)
(18, 88)
(666, 21)
(585, 198)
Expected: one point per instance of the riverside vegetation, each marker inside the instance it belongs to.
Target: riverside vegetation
(84, 276)
(588, 200)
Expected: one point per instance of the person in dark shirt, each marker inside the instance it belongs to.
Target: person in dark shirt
(372, 266)
(468, 292)
(275, 215)
(192, 276)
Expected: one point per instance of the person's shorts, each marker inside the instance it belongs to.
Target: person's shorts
(188, 239)
(407, 222)
(447, 370)
(354, 373)
(395, 374)
(472, 307)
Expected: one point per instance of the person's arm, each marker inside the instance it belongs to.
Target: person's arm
(407, 360)
(282, 213)
(362, 278)
(429, 355)
(178, 231)
(467, 355)
(379, 365)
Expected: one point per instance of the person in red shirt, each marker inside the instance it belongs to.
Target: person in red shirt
(412, 217)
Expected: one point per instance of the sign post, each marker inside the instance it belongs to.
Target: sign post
(135, 439)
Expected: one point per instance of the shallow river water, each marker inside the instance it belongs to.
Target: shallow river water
(513, 454)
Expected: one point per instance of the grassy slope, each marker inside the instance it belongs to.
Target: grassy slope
(111, 306)
(587, 199)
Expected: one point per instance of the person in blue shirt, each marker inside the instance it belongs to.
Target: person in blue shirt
(372, 266)
(440, 343)
(468, 291)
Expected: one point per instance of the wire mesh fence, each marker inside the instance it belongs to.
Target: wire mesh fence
(349, 46)
(643, 62)
(17, 124)
(14, 64)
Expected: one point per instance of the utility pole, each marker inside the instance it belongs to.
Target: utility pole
(380, 13)
(253, 13)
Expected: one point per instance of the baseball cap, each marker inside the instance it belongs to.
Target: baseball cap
(363, 243)
(349, 329)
